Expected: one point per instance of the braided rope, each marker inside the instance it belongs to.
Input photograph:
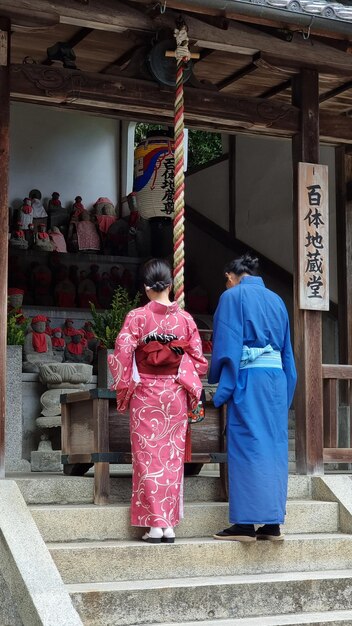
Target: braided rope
(182, 56)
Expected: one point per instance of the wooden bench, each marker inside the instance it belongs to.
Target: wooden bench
(93, 432)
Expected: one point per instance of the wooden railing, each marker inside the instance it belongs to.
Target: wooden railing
(337, 385)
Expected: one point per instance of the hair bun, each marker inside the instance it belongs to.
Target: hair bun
(250, 262)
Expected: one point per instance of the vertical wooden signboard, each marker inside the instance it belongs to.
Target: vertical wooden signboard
(313, 233)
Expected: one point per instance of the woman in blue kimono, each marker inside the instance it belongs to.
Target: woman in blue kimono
(253, 363)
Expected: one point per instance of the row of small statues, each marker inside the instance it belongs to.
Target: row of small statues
(76, 229)
(44, 344)
(68, 287)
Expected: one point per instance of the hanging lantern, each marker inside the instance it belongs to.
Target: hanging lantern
(154, 176)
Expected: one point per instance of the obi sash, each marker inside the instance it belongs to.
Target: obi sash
(260, 357)
(160, 358)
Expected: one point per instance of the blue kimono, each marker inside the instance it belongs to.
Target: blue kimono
(258, 399)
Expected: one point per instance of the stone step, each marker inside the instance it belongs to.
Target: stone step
(56, 488)
(178, 600)
(60, 489)
(331, 618)
(99, 523)
(113, 561)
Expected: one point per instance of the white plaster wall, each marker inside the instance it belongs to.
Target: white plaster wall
(264, 199)
(65, 151)
(207, 191)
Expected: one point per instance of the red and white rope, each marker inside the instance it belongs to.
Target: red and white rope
(182, 57)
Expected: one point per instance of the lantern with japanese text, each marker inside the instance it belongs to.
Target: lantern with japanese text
(154, 176)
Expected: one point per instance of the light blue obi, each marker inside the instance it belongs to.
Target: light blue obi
(260, 357)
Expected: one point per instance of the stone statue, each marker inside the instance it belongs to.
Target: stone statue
(60, 378)
(58, 343)
(82, 233)
(17, 239)
(68, 330)
(104, 206)
(26, 213)
(48, 329)
(37, 347)
(57, 239)
(58, 215)
(89, 335)
(42, 240)
(77, 208)
(105, 291)
(116, 238)
(29, 235)
(76, 351)
(65, 291)
(39, 213)
(87, 234)
(15, 301)
(86, 291)
(41, 280)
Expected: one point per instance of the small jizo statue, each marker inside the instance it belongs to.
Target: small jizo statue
(37, 345)
(58, 343)
(55, 203)
(26, 213)
(39, 213)
(42, 240)
(18, 239)
(76, 351)
(68, 330)
(77, 208)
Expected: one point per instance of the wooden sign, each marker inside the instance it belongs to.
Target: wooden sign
(313, 236)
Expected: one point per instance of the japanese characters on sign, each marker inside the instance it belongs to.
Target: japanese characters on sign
(313, 233)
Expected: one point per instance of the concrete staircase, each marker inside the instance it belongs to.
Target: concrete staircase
(115, 580)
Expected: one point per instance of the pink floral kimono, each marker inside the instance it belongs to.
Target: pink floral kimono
(158, 392)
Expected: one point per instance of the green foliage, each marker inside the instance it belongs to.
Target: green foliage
(107, 324)
(203, 147)
(15, 331)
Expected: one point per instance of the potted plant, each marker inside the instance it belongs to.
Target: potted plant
(107, 325)
(16, 332)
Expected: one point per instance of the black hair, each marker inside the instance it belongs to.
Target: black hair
(157, 274)
(245, 264)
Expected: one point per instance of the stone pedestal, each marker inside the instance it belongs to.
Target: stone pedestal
(45, 459)
(60, 378)
(14, 421)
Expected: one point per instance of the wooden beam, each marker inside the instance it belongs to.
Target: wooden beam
(140, 98)
(340, 372)
(79, 36)
(112, 15)
(5, 37)
(273, 91)
(37, 83)
(108, 15)
(121, 60)
(247, 69)
(295, 54)
(307, 324)
(335, 92)
(337, 455)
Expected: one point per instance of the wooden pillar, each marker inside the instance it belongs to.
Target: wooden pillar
(4, 174)
(343, 161)
(307, 324)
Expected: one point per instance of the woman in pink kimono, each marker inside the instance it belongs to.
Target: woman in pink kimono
(156, 367)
